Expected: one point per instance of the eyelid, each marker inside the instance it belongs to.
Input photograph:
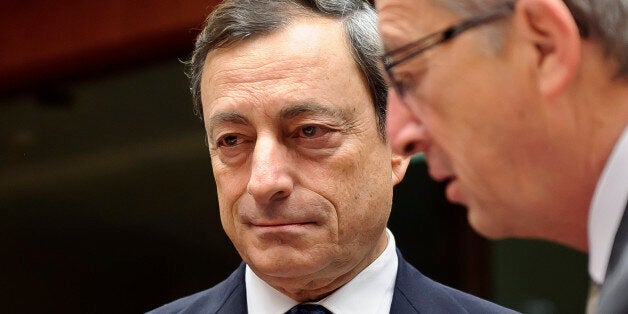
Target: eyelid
(323, 123)
(221, 139)
(404, 81)
(222, 120)
(217, 140)
(319, 129)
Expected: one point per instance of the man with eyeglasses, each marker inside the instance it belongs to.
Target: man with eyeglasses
(293, 104)
(521, 108)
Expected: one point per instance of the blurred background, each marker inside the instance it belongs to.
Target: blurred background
(107, 201)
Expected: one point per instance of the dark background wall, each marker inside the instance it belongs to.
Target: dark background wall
(107, 203)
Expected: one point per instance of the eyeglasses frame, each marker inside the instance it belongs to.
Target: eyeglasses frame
(423, 44)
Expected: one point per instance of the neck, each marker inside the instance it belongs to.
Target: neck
(599, 101)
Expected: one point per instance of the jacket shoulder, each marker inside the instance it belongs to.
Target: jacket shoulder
(416, 293)
(228, 293)
(613, 293)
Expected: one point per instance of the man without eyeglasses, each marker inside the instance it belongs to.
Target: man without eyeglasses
(294, 110)
(521, 107)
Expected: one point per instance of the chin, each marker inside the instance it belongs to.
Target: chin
(486, 226)
(287, 263)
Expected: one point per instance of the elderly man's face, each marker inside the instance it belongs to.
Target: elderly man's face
(477, 115)
(304, 179)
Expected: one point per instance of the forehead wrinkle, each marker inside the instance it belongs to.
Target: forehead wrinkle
(392, 36)
(259, 85)
(248, 67)
(399, 25)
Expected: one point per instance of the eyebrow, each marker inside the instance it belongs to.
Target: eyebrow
(296, 110)
(289, 112)
(225, 117)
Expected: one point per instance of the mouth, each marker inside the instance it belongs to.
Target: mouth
(446, 181)
(452, 190)
(281, 226)
(284, 232)
(449, 183)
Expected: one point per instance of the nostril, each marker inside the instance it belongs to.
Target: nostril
(409, 148)
(280, 195)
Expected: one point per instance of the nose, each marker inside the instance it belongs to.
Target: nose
(405, 131)
(271, 177)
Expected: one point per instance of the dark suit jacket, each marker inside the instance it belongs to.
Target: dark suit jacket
(414, 293)
(614, 294)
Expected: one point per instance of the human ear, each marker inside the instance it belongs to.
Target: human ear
(399, 167)
(550, 28)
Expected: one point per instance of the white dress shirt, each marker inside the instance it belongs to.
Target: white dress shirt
(371, 291)
(607, 208)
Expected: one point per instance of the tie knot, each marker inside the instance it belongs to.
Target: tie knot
(308, 309)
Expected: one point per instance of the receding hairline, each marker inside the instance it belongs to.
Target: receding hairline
(234, 21)
(336, 29)
(295, 20)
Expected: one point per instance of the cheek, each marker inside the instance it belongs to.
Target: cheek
(231, 181)
(231, 185)
(491, 167)
(366, 198)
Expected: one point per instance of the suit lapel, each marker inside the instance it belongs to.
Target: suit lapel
(613, 294)
(415, 293)
(619, 244)
(402, 303)
(235, 301)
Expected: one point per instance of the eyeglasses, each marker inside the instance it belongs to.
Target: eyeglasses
(413, 49)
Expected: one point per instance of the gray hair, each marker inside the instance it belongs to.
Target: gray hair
(602, 21)
(237, 20)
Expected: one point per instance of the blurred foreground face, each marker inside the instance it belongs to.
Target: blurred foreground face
(480, 117)
(304, 178)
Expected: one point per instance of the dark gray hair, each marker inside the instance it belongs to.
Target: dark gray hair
(237, 20)
(602, 21)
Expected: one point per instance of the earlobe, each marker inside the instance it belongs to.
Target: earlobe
(399, 167)
(549, 26)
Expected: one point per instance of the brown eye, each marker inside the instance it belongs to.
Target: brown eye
(309, 131)
(229, 141)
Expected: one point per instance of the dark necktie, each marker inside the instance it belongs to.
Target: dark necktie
(308, 309)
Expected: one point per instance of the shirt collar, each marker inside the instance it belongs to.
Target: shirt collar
(371, 291)
(607, 208)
